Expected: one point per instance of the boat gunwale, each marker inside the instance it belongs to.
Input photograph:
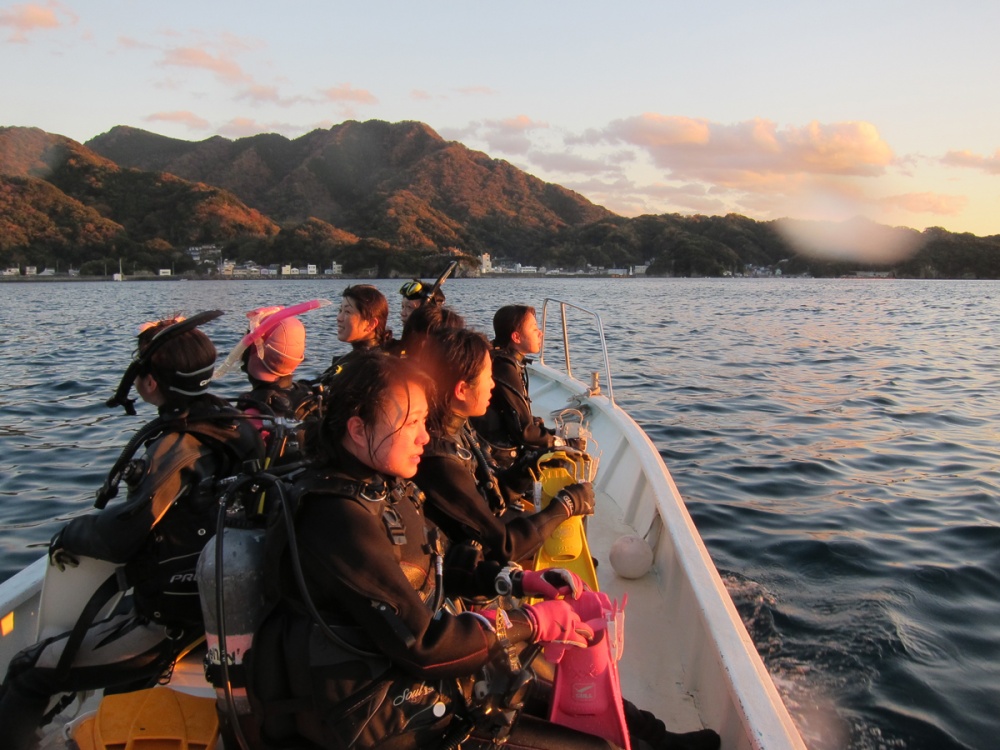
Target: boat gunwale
(763, 712)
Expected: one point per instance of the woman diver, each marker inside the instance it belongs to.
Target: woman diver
(360, 650)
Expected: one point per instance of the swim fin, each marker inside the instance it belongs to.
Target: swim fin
(586, 692)
(567, 546)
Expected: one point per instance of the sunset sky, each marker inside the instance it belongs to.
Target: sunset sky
(884, 109)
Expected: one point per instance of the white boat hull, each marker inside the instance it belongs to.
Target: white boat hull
(687, 657)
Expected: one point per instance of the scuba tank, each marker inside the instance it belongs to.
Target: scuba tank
(241, 583)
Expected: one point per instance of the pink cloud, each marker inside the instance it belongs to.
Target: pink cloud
(564, 161)
(752, 151)
(927, 203)
(25, 19)
(347, 93)
(989, 164)
(240, 127)
(184, 117)
(420, 95)
(193, 57)
(127, 42)
(510, 136)
(267, 94)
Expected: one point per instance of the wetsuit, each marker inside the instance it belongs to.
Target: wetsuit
(156, 535)
(341, 360)
(508, 424)
(293, 400)
(462, 501)
(368, 558)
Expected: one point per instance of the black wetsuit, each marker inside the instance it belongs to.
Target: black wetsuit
(461, 502)
(369, 566)
(508, 425)
(156, 535)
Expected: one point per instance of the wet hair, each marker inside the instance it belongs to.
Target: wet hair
(182, 366)
(451, 355)
(362, 390)
(372, 305)
(423, 321)
(507, 321)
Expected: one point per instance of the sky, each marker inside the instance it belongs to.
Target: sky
(882, 109)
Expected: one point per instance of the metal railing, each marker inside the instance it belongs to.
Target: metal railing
(594, 381)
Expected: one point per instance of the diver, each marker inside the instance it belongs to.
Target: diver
(419, 325)
(270, 365)
(466, 496)
(515, 435)
(360, 650)
(417, 294)
(361, 322)
(155, 535)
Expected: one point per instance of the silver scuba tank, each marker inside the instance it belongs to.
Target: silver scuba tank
(243, 599)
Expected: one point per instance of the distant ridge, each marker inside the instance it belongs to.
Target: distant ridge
(391, 181)
(389, 198)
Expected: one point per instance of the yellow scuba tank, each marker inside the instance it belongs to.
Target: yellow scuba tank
(567, 546)
(155, 719)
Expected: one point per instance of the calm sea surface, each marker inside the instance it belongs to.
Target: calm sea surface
(837, 443)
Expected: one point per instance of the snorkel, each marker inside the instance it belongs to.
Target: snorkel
(141, 359)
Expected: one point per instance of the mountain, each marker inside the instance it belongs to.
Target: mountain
(392, 196)
(397, 182)
(58, 194)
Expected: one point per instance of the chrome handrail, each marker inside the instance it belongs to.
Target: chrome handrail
(594, 387)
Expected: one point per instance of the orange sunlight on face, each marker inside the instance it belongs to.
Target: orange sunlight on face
(399, 437)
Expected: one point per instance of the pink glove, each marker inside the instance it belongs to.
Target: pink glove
(551, 583)
(557, 622)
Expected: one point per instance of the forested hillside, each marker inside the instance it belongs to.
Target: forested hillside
(388, 196)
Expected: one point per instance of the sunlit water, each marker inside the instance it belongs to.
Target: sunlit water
(836, 442)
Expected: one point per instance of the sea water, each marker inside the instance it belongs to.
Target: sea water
(837, 443)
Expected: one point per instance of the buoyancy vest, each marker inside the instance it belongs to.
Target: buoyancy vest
(298, 401)
(163, 571)
(328, 681)
(503, 424)
(464, 445)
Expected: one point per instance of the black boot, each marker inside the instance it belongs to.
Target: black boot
(644, 726)
(21, 713)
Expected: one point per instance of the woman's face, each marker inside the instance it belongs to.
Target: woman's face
(351, 325)
(475, 398)
(399, 436)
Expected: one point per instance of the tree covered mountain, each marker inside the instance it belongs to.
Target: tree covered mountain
(372, 194)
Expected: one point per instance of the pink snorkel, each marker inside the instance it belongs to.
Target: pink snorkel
(262, 322)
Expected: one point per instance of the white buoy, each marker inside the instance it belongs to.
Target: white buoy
(631, 557)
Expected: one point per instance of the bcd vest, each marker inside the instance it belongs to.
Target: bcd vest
(163, 571)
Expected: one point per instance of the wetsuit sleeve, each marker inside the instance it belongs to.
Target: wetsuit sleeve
(455, 505)
(351, 568)
(173, 465)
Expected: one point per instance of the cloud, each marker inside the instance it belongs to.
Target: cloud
(989, 164)
(183, 117)
(346, 93)
(927, 203)
(420, 95)
(242, 127)
(508, 136)
(751, 152)
(566, 162)
(263, 94)
(127, 42)
(25, 19)
(223, 67)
